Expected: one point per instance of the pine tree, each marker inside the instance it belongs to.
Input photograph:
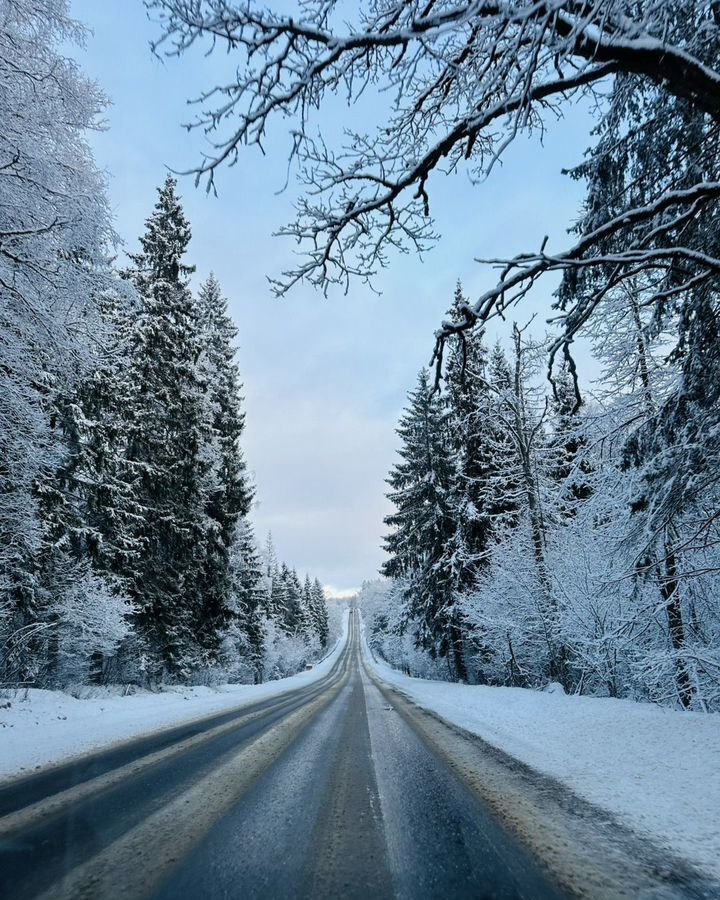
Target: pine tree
(168, 435)
(318, 605)
(469, 401)
(569, 464)
(504, 481)
(293, 617)
(423, 523)
(226, 487)
(249, 600)
(477, 436)
(276, 587)
(306, 602)
(87, 504)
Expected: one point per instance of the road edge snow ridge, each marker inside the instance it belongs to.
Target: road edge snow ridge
(589, 849)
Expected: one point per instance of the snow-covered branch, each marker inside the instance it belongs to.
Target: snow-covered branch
(466, 78)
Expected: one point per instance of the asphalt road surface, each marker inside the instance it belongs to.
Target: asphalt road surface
(340, 789)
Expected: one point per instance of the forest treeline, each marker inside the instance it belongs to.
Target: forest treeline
(523, 548)
(548, 534)
(126, 553)
(535, 539)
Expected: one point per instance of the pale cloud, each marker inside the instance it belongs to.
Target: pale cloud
(333, 593)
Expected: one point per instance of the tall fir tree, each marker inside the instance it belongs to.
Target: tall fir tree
(168, 435)
(569, 465)
(423, 524)
(469, 405)
(248, 599)
(318, 605)
(475, 436)
(227, 489)
(87, 503)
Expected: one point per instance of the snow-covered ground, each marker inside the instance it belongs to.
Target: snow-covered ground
(39, 728)
(657, 770)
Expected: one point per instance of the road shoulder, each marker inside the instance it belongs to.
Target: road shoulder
(586, 848)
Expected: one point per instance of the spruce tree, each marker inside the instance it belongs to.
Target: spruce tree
(86, 502)
(569, 466)
(292, 615)
(472, 429)
(318, 605)
(423, 523)
(504, 481)
(168, 434)
(226, 488)
(469, 405)
(249, 599)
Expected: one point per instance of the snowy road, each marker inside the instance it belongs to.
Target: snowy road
(338, 789)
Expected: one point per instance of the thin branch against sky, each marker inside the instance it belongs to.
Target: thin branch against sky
(323, 380)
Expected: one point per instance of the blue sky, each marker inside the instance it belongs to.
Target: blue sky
(325, 378)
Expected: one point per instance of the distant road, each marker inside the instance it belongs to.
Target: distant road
(340, 789)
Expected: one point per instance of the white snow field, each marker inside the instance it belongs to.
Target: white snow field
(657, 770)
(40, 728)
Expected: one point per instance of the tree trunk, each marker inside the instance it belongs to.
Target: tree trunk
(669, 589)
(517, 676)
(456, 638)
(557, 652)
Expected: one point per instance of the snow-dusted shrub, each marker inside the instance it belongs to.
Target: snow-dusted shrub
(286, 653)
(92, 620)
(507, 616)
(237, 657)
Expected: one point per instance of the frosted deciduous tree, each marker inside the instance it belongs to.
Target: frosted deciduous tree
(465, 78)
(55, 235)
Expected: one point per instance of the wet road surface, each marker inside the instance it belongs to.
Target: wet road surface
(339, 789)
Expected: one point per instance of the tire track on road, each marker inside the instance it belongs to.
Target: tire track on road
(38, 842)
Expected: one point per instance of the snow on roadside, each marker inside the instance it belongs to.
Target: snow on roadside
(656, 769)
(41, 728)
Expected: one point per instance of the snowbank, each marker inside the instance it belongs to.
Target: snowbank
(657, 770)
(40, 728)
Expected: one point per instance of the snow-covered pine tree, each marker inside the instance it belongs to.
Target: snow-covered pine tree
(320, 612)
(469, 400)
(423, 523)
(569, 464)
(273, 587)
(243, 639)
(229, 494)
(307, 604)
(503, 481)
(87, 504)
(167, 454)
(279, 601)
(316, 604)
(295, 618)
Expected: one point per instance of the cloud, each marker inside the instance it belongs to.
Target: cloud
(333, 593)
